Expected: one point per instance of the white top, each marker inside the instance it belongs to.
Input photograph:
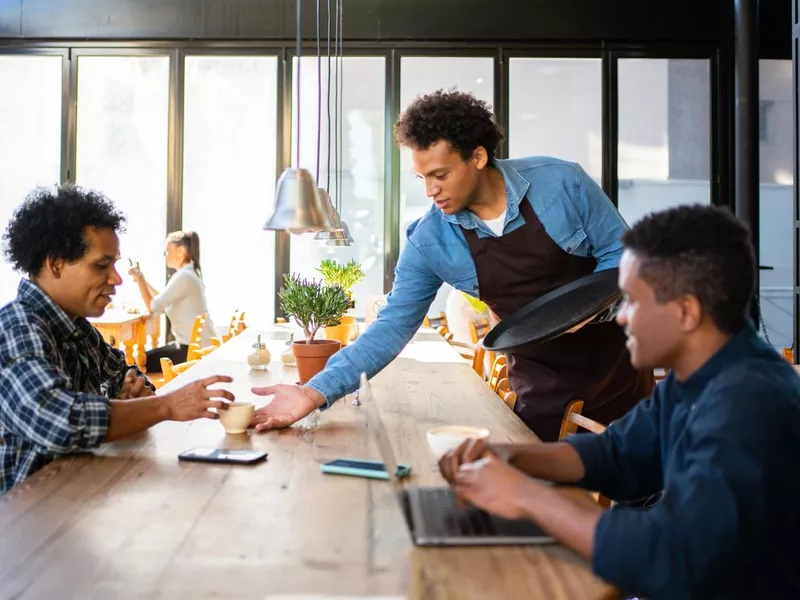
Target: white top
(183, 300)
(497, 225)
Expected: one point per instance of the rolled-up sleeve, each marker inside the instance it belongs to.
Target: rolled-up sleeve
(712, 514)
(414, 289)
(38, 403)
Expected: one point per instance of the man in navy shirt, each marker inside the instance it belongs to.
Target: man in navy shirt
(717, 437)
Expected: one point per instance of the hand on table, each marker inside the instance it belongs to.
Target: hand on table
(134, 386)
(194, 400)
(290, 403)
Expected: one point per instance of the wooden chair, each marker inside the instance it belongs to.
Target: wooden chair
(196, 337)
(498, 372)
(472, 352)
(508, 396)
(170, 371)
(442, 330)
(236, 326)
(196, 352)
(153, 331)
(433, 322)
(478, 332)
(569, 425)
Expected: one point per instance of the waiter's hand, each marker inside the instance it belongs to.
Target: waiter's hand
(290, 403)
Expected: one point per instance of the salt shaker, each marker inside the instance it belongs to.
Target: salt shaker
(260, 357)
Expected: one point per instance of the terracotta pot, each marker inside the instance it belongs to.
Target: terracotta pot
(344, 332)
(312, 358)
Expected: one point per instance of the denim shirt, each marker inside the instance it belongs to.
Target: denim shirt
(573, 210)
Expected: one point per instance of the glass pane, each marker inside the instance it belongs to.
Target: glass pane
(664, 130)
(362, 162)
(555, 109)
(421, 75)
(777, 204)
(122, 129)
(30, 137)
(230, 124)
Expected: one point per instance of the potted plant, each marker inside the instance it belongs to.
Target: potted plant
(313, 305)
(345, 275)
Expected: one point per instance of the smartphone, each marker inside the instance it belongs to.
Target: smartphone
(221, 455)
(359, 467)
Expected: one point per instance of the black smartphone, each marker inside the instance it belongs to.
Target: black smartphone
(221, 455)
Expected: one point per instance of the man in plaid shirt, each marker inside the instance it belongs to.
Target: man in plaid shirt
(62, 388)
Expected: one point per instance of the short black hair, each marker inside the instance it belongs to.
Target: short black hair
(51, 223)
(699, 250)
(456, 117)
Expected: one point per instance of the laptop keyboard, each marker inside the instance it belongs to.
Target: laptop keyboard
(443, 515)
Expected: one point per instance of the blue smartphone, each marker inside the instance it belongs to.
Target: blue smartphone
(359, 467)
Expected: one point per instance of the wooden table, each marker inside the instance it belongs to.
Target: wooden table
(134, 522)
(121, 328)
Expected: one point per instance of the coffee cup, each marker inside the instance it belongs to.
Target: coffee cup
(236, 419)
(449, 437)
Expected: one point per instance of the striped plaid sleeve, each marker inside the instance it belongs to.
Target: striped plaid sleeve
(38, 402)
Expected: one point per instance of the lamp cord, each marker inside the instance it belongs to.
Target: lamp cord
(328, 99)
(299, 63)
(319, 95)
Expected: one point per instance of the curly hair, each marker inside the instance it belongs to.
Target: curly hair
(702, 251)
(51, 223)
(457, 117)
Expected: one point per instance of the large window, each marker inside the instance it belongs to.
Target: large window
(421, 75)
(362, 165)
(122, 134)
(664, 133)
(30, 137)
(556, 109)
(777, 210)
(230, 125)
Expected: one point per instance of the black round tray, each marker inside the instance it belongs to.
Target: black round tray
(555, 312)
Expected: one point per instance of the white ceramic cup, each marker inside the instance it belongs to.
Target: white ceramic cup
(449, 437)
(238, 416)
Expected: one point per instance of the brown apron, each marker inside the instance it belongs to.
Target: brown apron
(591, 364)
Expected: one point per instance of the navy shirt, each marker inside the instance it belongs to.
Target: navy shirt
(722, 446)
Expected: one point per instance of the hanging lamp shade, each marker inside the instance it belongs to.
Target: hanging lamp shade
(329, 233)
(298, 205)
(341, 238)
(331, 213)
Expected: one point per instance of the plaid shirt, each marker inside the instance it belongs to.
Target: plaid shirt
(56, 378)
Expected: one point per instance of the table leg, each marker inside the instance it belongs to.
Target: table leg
(127, 347)
(141, 340)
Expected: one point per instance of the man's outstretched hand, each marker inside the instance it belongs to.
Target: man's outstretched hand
(290, 403)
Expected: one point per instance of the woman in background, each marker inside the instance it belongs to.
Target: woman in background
(183, 300)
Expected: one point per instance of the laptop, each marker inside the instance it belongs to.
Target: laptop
(432, 515)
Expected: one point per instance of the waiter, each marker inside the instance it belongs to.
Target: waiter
(504, 231)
